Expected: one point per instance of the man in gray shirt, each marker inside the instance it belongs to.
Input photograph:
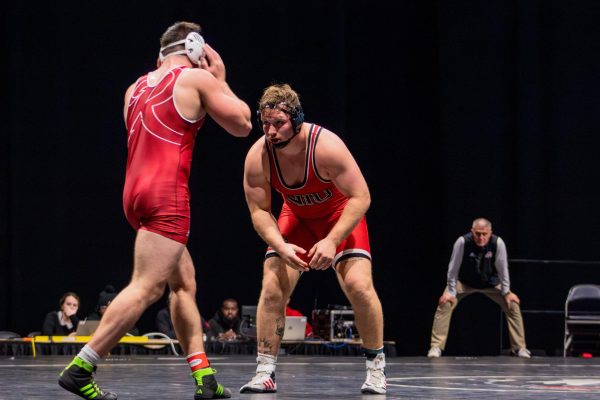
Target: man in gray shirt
(478, 264)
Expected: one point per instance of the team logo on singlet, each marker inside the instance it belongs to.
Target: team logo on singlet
(310, 198)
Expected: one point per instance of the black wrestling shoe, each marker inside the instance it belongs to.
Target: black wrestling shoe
(77, 378)
(207, 386)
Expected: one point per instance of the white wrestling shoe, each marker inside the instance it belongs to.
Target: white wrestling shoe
(263, 382)
(375, 382)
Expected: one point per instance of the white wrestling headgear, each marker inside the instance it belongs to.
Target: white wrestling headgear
(194, 47)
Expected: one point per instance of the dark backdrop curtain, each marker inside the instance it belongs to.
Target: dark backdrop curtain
(454, 110)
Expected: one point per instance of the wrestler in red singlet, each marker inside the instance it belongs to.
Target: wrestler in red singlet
(160, 142)
(311, 208)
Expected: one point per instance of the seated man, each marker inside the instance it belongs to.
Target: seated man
(106, 296)
(225, 325)
(164, 323)
(479, 263)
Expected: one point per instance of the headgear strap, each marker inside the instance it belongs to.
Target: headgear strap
(194, 47)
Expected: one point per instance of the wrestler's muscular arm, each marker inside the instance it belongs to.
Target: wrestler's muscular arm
(258, 196)
(204, 90)
(335, 162)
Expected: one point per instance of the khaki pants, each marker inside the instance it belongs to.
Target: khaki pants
(443, 314)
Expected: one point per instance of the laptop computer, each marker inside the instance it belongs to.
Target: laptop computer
(249, 311)
(87, 327)
(295, 328)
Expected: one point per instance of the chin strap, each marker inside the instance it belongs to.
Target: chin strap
(281, 145)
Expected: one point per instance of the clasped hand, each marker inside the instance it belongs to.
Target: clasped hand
(320, 255)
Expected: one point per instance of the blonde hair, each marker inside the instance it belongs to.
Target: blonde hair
(279, 94)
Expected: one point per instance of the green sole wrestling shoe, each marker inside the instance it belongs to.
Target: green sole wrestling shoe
(77, 378)
(207, 386)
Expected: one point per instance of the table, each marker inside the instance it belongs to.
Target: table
(70, 345)
(139, 345)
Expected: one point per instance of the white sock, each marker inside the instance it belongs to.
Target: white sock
(88, 355)
(377, 363)
(266, 363)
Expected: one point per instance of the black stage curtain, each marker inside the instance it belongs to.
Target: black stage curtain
(454, 110)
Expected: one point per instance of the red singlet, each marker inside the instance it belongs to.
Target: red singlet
(160, 143)
(313, 207)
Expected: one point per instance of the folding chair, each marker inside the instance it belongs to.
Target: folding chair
(582, 320)
(160, 335)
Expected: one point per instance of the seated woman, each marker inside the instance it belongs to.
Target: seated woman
(64, 321)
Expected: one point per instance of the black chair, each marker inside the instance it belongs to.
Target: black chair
(582, 320)
(13, 349)
(9, 335)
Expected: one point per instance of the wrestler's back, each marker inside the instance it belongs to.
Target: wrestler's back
(160, 145)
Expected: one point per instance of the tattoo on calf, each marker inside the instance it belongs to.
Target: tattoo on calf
(280, 326)
(264, 346)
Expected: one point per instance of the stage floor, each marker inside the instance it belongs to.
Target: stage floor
(320, 377)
